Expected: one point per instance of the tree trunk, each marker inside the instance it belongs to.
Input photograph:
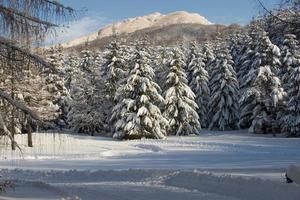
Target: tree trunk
(29, 135)
(12, 124)
(13, 144)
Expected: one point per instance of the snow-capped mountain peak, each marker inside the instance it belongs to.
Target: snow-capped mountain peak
(138, 23)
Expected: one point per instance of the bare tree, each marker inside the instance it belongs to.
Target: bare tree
(23, 23)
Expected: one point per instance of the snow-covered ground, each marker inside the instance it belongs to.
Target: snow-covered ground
(215, 165)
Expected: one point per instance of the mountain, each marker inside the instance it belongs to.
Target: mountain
(170, 28)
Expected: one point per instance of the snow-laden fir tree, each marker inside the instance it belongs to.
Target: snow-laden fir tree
(268, 95)
(251, 41)
(181, 108)
(290, 51)
(223, 103)
(54, 84)
(113, 71)
(244, 64)
(193, 54)
(86, 114)
(234, 45)
(70, 68)
(136, 114)
(290, 114)
(240, 44)
(161, 71)
(199, 85)
(262, 53)
(246, 75)
(209, 55)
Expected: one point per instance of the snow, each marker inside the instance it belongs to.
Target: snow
(214, 165)
(210, 150)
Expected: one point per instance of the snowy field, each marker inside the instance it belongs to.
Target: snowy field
(224, 165)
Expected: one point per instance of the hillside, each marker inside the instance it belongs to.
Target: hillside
(166, 35)
(158, 28)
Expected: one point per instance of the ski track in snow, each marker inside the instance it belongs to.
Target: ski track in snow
(215, 165)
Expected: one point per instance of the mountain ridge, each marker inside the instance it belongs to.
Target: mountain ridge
(132, 25)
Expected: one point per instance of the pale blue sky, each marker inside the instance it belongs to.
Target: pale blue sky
(102, 12)
(219, 11)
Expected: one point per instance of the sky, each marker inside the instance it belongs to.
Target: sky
(94, 14)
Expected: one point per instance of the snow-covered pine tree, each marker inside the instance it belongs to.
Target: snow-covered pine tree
(86, 114)
(246, 75)
(290, 113)
(192, 55)
(244, 64)
(199, 85)
(180, 109)
(209, 56)
(290, 55)
(238, 47)
(223, 103)
(261, 53)
(70, 67)
(234, 44)
(54, 84)
(113, 71)
(268, 95)
(136, 114)
(163, 68)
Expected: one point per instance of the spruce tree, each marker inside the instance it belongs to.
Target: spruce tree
(86, 114)
(264, 91)
(262, 53)
(180, 109)
(289, 57)
(239, 52)
(268, 95)
(193, 54)
(113, 72)
(113, 69)
(71, 66)
(199, 85)
(55, 85)
(136, 115)
(223, 103)
(209, 56)
(290, 114)
(163, 68)
(247, 72)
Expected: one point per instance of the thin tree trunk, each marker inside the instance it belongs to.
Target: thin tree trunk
(12, 122)
(13, 144)
(29, 135)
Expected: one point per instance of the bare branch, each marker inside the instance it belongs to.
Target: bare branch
(19, 105)
(35, 58)
(271, 13)
(10, 12)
